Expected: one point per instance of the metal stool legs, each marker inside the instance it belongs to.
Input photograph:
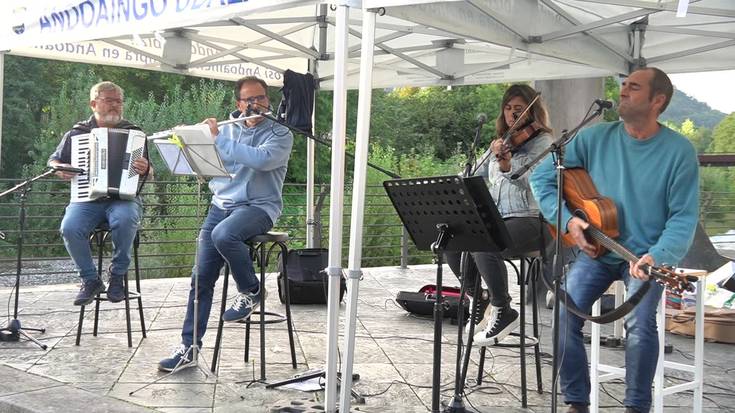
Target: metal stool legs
(529, 271)
(100, 236)
(261, 254)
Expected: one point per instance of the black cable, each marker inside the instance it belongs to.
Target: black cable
(321, 141)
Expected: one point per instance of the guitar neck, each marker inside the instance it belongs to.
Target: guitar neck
(661, 274)
(610, 244)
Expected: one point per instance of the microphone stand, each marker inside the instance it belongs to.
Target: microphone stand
(311, 136)
(557, 148)
(472, 155)
(14, 329)
(456, 405)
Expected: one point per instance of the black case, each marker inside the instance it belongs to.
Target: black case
(307, 278)
(422, 302)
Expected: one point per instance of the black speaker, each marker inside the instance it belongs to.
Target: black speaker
(308, 283)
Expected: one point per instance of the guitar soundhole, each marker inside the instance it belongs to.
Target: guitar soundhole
(581, 214)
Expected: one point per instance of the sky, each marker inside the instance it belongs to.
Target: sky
(717, 89)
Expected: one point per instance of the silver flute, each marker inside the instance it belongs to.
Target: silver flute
(169, 132)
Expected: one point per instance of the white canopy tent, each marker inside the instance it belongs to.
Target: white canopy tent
(418, 43)
(403, 42)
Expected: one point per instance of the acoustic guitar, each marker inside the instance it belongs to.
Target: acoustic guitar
(600, 212)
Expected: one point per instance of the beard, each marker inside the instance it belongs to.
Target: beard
(111, 118)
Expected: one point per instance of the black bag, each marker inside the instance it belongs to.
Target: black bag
(308, 283)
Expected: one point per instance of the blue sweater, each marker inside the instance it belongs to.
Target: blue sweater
(257, 158)
(653, 182)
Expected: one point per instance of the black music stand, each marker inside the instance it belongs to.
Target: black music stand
(447, 213)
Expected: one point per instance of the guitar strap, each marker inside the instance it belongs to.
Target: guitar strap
(608, 317)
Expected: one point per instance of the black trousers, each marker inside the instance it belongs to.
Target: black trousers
(525, 233)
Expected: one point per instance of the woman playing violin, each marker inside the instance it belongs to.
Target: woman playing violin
(529, 136)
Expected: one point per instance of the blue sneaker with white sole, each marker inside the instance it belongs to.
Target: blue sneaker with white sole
(180, 359)
(243, 307)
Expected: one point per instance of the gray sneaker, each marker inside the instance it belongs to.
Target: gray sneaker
(89, 290)
(116, 289)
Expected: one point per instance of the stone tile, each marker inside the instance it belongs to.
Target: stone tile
(82, 366)
(415, 350)
(21, 354)
(17, 381)
(157, 395)
(238, 397)
(66, 399)
(98, 388)
(393, 351)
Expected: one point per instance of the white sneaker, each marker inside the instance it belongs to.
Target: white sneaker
(502, 321)
(482, 313)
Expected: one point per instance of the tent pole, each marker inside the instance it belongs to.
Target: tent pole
(336, 200)
(354, 272)
(313, 222)
(2, 84)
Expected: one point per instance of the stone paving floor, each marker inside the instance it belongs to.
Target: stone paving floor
(393, 357)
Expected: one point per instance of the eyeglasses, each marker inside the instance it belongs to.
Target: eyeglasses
(110, 101)
(253, 99)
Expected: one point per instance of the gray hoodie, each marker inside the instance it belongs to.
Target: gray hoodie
(257, 157)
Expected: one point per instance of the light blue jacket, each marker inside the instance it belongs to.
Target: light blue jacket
(513, 196)
(257, 157)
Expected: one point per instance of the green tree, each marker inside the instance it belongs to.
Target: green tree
(612, 92)
(723, 136)
(24, 107)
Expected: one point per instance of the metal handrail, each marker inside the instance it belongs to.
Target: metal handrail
(167, 238)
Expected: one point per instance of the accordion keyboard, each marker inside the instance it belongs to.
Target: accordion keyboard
(80, 159)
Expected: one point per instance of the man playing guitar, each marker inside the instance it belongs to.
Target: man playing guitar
(651, 173)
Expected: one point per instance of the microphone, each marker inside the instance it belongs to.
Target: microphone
(605, 104)
(71, 169)
(251, 110)
(481, 119)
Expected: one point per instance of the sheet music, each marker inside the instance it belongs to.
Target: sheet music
(191, 151)
(173, 157)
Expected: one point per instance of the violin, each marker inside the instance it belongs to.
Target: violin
(516, 136)
(515, 139)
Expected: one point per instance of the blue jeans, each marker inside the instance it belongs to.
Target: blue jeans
(81, 218)
(586, 282)
(222, 238)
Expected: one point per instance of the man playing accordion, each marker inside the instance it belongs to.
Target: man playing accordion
(81, 218)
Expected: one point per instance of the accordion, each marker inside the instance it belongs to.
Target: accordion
(106, 155)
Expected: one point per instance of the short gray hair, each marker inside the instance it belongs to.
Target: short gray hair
(94, 92)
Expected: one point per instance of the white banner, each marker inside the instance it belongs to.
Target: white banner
(141, 58)
(34, 23)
